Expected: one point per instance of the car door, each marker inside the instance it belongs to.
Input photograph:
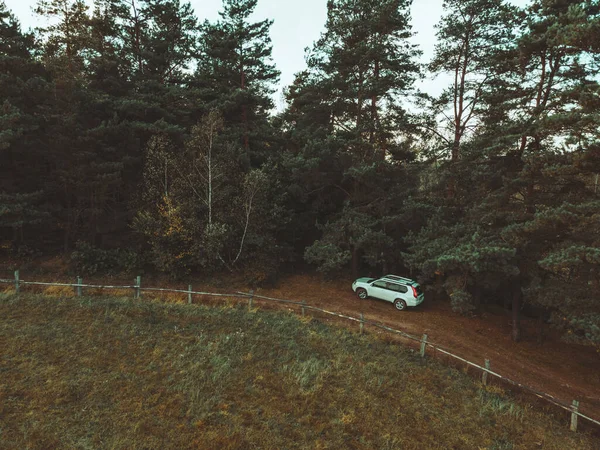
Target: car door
(379, 289)
(399, 291)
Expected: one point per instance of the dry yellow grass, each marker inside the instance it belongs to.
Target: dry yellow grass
(59, 291)
(116, 374)
(7, 289)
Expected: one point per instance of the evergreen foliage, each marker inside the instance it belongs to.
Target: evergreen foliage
(133, 124)
(357, 74)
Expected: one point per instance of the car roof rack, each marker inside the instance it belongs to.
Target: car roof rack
(397, 278)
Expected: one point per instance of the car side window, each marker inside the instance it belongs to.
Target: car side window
(380, 284)
(399, 288)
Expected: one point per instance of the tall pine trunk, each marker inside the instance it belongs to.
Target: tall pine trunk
(516, 309)
(477, 297)
(375, 114)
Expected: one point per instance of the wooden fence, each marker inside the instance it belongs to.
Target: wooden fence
(423, 341)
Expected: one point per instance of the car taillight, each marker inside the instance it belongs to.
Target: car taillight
(414, 292)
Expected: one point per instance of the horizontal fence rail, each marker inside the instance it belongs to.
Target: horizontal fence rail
(573, 408)
(278, 300)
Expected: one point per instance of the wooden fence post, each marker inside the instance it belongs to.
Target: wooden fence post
(423, 345)
(303, 304)
(79, 283)
(17, 286)
(250, 299)
(189, 294)
(138, 285)
(484, 375)
(575, 409)
(362, 322)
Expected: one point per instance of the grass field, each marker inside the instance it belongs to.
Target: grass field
(96, 372)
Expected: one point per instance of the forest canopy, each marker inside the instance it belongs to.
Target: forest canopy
(133, 132)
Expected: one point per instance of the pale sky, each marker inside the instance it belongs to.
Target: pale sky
(297, 25)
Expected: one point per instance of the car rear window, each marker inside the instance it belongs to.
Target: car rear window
(418, 289)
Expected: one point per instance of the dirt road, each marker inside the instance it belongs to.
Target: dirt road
(565, 371)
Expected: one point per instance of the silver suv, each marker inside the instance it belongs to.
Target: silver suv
(400, 291)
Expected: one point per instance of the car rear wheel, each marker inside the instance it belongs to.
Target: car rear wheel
(362, 293)
(400, 304)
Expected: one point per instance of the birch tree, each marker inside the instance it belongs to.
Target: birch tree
(201, 169)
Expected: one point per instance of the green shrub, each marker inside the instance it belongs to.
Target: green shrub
(90, 260)
(462, 301)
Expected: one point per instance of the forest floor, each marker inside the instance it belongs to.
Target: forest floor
(567, 371)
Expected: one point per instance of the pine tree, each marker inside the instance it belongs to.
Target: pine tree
(66, 38)
(169, 44)
(358, 73)
(367, 65)
(108, 69)
(472, 35)
(17, 63)
(23, 163)
(236, 75)
(514, 174)
(457, 246)
(158, 45)
(130, 91)
(548, 104)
